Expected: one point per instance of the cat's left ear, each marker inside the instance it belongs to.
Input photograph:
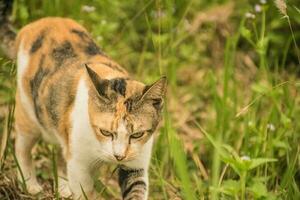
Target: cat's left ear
(155, 92)
(101, 85)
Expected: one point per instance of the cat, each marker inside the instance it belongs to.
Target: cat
(72, 94)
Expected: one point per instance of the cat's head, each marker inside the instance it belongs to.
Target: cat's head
(124, 114)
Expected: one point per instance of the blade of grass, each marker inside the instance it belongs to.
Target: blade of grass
(83, 192)
(54, 170)
(179, 158)
(23, 183)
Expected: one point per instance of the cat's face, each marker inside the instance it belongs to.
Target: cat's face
(124, 114)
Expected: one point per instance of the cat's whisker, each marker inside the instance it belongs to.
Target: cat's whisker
(95, 162)
(106, 154)
(131, 158)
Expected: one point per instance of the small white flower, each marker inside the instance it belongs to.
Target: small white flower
(271, 127)
(250, 15)
(245, 158)
(99, 38)
(263, 1)
(250, 123)
(88, 9)
(158, 14)
(257, 8)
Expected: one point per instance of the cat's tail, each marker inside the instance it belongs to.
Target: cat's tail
(7, 35)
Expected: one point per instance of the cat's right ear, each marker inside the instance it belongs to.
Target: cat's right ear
(101, 85)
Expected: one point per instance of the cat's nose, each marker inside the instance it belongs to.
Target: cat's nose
(119, 157)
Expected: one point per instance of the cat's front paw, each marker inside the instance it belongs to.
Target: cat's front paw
(33, 187)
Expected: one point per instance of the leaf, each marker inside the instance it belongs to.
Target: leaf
(260, 88)
(286, 121)
(259, 161)
(231, 187)
(258, 189)
(262, 45)
(246, 33)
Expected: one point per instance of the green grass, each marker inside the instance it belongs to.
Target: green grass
(230, 128)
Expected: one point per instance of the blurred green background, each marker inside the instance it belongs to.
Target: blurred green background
(230, 128)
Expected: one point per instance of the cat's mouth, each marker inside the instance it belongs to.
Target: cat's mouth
(123, 161)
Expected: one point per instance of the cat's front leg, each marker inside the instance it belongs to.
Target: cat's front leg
(133, 183)
(80, 180)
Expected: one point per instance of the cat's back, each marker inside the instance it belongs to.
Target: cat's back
(51, 53)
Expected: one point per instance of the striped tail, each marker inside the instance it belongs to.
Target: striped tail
(7, 35)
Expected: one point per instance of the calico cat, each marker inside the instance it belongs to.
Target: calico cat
(71, 93)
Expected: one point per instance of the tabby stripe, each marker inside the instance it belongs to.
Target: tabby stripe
(37, 44)
(35, 85)
(63, 52)
(92, 49)
(128, 190)
(136, 192)
(80, 33)
(135, 197)
(125, 175)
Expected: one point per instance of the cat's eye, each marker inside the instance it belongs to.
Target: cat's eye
(137, 135)
(106, 133)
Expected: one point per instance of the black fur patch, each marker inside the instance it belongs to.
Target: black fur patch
(80, 33)
(63, 52)
(37, 43)
(128, 104)
(52, 104)
(118, 85)
(56, 98)
(92, 49)
(89, 47)
(35, 84)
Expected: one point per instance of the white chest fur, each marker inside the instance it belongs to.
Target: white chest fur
(83, 142)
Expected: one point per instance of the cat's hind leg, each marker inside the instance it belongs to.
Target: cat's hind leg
(27, 134)
(23, 147)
